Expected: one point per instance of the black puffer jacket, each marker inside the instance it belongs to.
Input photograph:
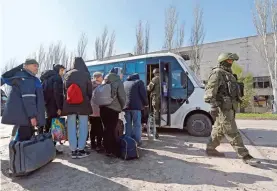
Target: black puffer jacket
(53, 92)
(78, 75)
(136, 97)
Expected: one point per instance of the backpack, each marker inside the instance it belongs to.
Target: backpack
(74, 94)
(102, 95)
(128, 148)
(47, 87)
(45, 92)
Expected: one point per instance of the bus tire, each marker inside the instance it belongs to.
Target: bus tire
(199, 125)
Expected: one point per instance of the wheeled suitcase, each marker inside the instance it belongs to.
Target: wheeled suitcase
(28, 156)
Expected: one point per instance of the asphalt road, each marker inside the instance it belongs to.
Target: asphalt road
(175, 162)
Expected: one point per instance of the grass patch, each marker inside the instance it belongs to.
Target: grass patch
(257, 116)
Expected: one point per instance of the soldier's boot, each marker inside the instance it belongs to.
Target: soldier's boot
(248, 159)
(214, 152)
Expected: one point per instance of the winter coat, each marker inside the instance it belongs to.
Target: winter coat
(95, 108)
(136, 96)
(25, 101)
(78, 75)
(53, 92)
(117, 91)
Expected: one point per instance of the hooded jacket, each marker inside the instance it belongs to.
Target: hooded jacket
(53, 92)
(79, 75)
(95, 108)
(26, 100)
(117, 91)
(136, 97)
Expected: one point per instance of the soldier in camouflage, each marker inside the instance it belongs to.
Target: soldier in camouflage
(222, 93)
(154, 89)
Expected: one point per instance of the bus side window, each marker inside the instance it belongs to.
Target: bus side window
(130, 68)
(176, 79)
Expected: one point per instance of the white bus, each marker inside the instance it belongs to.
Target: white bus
(182, 93)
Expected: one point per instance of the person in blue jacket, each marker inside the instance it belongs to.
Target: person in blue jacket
(136, 100)
(25, 105)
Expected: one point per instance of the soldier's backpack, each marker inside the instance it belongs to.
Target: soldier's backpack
(102, 95)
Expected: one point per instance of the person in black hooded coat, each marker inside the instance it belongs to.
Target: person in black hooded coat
(80, 76)
(53, 93)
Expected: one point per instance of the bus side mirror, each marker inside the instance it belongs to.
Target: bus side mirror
(184, 79)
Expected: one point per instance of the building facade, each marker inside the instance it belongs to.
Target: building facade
(250, 60)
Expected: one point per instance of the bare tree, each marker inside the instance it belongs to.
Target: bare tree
(142, 39)
(111, 45)
(171, 18)
(180, 37)
(97, 47)
(53, 54)
(139, 48)
(40, 57)
(82, 46)
(196, 39)
(174, 33)
(104, 46)
(104, 42)
(265, 21)
(67, 58)
(146, 38)
(70, 60)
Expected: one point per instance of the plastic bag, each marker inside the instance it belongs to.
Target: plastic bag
(58, 129)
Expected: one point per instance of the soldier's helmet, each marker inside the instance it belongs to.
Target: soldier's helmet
(156, 71)
(227, 56)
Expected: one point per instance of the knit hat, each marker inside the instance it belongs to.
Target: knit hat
(30, 61)
(97, 74)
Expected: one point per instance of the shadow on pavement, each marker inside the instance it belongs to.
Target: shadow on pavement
(180, 145)
(58, 177)
(155, 168)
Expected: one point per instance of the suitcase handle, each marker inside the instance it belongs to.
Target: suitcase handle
(39, 137)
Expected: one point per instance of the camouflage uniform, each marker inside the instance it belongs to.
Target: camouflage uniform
(222, 93)
(154, 89)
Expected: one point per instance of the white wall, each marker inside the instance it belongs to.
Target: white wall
(250, 60)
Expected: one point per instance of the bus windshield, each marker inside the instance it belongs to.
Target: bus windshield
(199, 83)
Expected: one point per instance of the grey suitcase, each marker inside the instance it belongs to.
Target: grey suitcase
(28, 156)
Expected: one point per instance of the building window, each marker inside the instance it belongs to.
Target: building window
(263, 101)
(261, 82)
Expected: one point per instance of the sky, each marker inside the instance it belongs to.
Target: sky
(25, 25)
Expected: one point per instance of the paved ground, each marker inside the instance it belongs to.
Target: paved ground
(176, 162)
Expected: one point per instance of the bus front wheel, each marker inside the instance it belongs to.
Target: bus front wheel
(199, 125)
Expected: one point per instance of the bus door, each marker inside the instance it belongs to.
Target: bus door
(165, 91)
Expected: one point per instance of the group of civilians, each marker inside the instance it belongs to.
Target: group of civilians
(31, 98)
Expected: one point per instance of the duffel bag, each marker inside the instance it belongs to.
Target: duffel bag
(128, 148)
(28, 156)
